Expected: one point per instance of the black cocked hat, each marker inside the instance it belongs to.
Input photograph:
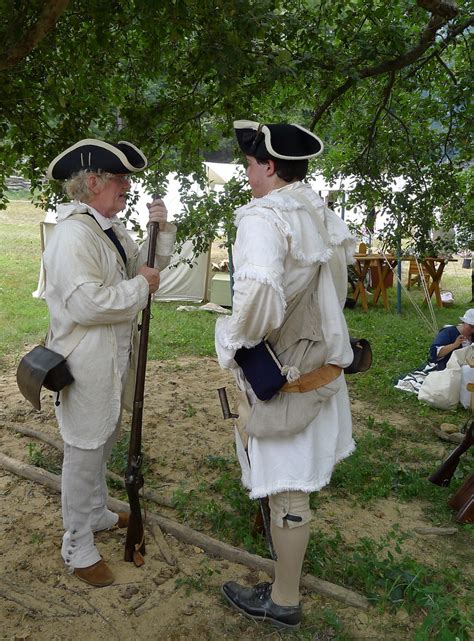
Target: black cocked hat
(97, 155)
(284, 140)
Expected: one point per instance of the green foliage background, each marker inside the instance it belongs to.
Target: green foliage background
(387, 86)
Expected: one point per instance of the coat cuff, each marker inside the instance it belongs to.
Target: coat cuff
(166, 240)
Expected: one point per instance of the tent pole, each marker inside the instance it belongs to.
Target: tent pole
(208, 272)
(399, 270)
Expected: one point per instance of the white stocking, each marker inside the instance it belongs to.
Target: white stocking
(290, 545)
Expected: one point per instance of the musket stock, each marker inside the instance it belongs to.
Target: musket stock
(445, 472)
(135, 541)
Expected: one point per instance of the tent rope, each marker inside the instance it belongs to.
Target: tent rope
(424, 284)
(433, 326)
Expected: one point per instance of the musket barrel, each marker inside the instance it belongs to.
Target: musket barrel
(135, 540)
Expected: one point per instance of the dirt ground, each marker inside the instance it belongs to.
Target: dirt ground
(183, 424)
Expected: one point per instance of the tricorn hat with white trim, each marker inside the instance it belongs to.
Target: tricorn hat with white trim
(283, 140)
(95, 155)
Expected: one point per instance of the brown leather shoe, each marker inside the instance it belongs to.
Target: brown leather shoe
(123, 519)
(99, 575)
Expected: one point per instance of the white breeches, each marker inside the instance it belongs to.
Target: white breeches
(84, 501)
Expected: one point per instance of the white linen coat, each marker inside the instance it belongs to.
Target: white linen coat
(277, 247)
(93, 301)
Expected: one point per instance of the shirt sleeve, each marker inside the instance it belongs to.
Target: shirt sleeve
(164, 248)
(76, 273)
(93, 303)
(445, 337)
(258, 304)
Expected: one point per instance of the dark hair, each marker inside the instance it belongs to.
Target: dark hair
(287, 170)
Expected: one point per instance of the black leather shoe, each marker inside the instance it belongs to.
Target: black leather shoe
(257, 604)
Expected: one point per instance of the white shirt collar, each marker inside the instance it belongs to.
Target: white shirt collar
(286, 187)
(105, 223)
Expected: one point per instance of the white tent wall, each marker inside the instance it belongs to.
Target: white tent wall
(46, 230)
(181, 281)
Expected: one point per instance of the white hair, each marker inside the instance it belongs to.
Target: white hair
(77, 188)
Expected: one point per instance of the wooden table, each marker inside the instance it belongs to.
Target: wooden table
(383, 264)
(435, 268)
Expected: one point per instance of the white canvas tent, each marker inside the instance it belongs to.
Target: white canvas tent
(181, 280)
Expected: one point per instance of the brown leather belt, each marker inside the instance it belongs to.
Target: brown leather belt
(312, 380)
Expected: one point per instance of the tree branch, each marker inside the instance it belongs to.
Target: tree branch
(407, 133)
(442, 11)
(45, 23)
(448, 70)
(446, 140)
(445, 8)
(317, 114)
(385, 98)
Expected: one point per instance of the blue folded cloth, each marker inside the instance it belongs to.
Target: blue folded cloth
(261, 369)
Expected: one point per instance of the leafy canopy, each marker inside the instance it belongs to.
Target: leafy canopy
(387, 86)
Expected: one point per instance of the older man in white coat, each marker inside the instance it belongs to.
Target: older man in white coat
(96, 284)
(290, 284)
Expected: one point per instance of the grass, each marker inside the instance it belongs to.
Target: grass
(198, 581)
(391, 463)
(401, 473)
(176, 334)
(50, 461)
(19, 194)
(436, 596)
(24, 319)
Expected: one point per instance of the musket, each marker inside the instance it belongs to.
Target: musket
(263, 502)
(135, 541)
(444, 473)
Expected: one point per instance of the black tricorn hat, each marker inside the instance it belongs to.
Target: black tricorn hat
(284, 140)
(95, 155)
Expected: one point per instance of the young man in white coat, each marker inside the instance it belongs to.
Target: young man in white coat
(96, 284)
(290, 283)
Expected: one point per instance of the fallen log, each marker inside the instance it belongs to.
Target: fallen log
(39, 436)
(150, 494)
(435, 531)
(192, 537)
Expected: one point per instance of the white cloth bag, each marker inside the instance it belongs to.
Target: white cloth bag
(467, 376)
(441, 389)
(466, 360)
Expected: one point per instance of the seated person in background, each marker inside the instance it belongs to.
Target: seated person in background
(450, 338)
